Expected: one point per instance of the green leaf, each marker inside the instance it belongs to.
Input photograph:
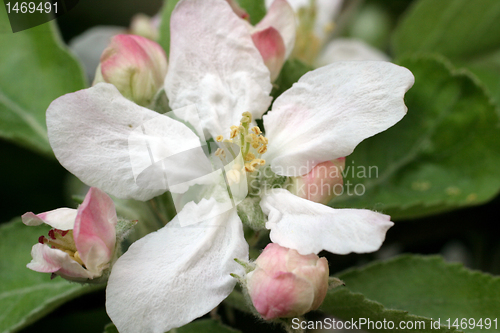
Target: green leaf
(203, 325)
(292, 71)
(166, 12)
(443, 155)
(25, 295)
(459, 29)
(467, 32)
(423, 286)
(35, 69)
(356, 308)
(255, 8)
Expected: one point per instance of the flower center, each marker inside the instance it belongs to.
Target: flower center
(62, 240)
(251, 141)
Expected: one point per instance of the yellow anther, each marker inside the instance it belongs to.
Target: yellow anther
(219, 138)
(262, 150)
(220, 152)
(234, 131)
(263, 140)
(249, 167)
(261, 161)
(254, 163)
(255, 144)
(249, 157)
(256, 130)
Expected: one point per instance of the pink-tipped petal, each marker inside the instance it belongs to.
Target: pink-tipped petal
(61, 218)
(47, 260)
(272, 49)
(94, 231)
(281, 17)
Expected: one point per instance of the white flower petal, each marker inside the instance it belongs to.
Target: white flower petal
(215, 65)
(93, 133)
(310, 227)
(177, 274)
(60, 218)
(331, 110)
(48, 260)
(349, 49)
(281, 17)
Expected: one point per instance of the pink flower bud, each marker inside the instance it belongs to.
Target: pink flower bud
(272, 49)
(286, 283)
(135, 65)
(322, 183)
(82, 243)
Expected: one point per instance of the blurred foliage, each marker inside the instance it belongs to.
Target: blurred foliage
(427, 163)
(423, 286)
(35, 69)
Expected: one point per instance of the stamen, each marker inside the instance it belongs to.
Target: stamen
(251, 143)
(219, 138)
(220, 152)
(52, 234)
(249, 157)
(249, 167)
(256, 130)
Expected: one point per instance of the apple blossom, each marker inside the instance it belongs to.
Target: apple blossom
(82, 242)
(216, 69)
(135, 65)
(285, 283)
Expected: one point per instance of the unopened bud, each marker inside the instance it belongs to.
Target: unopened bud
(271, 46)
(322, 183)
(135, 65)
(287, 284)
